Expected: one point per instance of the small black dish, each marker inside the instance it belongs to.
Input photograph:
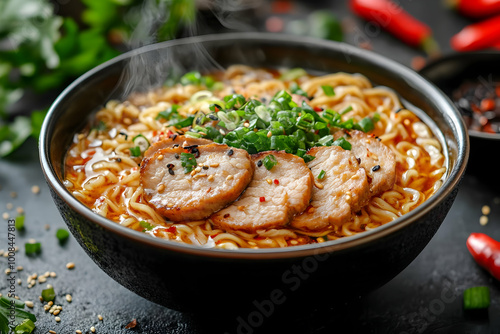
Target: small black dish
(448, 73)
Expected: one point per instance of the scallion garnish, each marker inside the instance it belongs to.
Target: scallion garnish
(169, 113)
(321, 175)
(181, 123)
(48, 294)
(269, 161)
(147, 226)
(135, 151)
(62, 235)
(477, 298)
(188, 161)
(293, 74)
(32, 248)
(328, 90)
(141, 141)
(19, 223)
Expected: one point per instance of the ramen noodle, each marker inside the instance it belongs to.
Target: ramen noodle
(103, 164)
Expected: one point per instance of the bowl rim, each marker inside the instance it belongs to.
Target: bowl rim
(452, 181)
(462, 56)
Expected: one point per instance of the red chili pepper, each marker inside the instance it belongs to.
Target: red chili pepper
(391, 17)
(476, 8)
(262, 199)
(486, 252)
(477, 36)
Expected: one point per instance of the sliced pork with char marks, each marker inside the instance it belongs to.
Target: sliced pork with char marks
(173, 140)
(375, 157)
(272, 198)
(221, 176)
(343, 190)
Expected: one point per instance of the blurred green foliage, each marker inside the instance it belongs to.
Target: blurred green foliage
(41, 51)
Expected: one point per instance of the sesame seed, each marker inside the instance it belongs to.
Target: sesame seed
(241, 207)
(5, 215)
(259, 163)
(53, 274)
(69, 298)
(47, 227)
(49, 286)
(210, 178)
(269, 181)
(52, 332)
(78, 331)
(214, 165)
(9, 206)
(318, 185)
(35, 189)
(311, 210)
(7, 271)
(193, 172)
(375, 168)
(485, 210)
(197, 176)
(160, 157)
(40, 298)
(58, 319)
(19, 281)
(32, 241)
(19, 268)
(197, 169)
(170, 205)
(70, 265)
(99, 317)
(46, 308)
(92, 329)
(269, 134)
(29, 303)
(483, 220)
(230, 152)
(294, 242)
(42, 279)
(56, 312)
(50, 303)
(161, 188)
(229, 177)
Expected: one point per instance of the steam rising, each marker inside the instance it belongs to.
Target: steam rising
(145, 71)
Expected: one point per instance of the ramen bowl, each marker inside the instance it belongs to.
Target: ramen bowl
(192, 278)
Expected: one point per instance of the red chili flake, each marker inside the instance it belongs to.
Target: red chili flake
(214, 235)
(216, 109)
(226, 215)
(487, 104)
(488, 128)
(169, 133)
(131, 324)
(262, 199)
(318, 108)
(276, 181)
(171, 229)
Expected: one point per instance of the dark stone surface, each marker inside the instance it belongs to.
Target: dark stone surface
(425, 297)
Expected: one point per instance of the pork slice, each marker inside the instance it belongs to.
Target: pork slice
(342, 191)
(273, 196)
(221, 176)
(173, 140)
(376, 158)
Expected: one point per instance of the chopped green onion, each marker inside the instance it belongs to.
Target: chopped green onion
(19, 223)
(181, 123)
(62, 235)
(342, 142)
(167, 114)
(321, 175)
(293, 74)
(477, 298)
(147, 226)
(326, 140)
(141, 141)
(32, 248)
(263, 113)
(7, 301)
(48, 294)
(25, 327)
(345, 110)
(308, 158)
(328, 90)
(366, 124)
(200, 96)
(269, 161)
(188, 161)
(135, 151)
(295, 89)
(191, 78)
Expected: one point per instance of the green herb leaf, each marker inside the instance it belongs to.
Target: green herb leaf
(188, 161)
(48, 294)
(328, 90)
(181, 123)
(25, 327)
(321, 175)
(135, 151)
(269, 161)
(167, 114)
(62, 235)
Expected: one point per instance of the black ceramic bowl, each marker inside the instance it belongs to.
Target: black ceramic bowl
(448, 73)
(186, 277)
